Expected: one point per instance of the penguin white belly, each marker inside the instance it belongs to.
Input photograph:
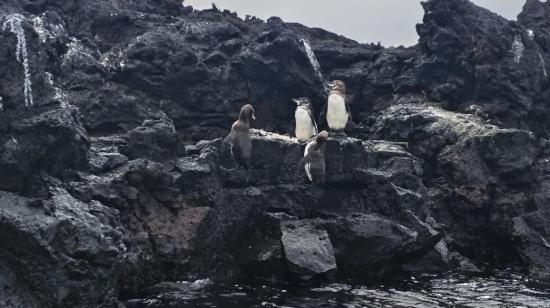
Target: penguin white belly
(304, 126)
(307, 166)
(337, 115)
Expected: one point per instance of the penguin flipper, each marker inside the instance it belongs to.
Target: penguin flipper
(227, 139)
(306, 159)
(313, 121)
(350, 124)
(226, 145)
(241, 148)
(236, 153)
(323, 116)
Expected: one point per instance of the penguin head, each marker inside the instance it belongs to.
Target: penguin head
(247, 113)
(322, 137)
(337, 86)
(302, 102)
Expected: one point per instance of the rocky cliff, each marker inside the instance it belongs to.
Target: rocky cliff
(112, 177)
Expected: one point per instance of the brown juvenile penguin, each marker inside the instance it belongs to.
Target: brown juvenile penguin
(239, 137)
(314, 158)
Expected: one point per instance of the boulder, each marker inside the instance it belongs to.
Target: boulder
(368, 245)
(60, 251)
(307, 249)
(154, 140)
(474, 166)
(53, 142)
(104, 154)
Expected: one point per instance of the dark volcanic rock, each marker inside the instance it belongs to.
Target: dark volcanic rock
(104, 156)
(474, 169)
(529, 227)
(60, 252)
(154, 139)
(366, 244)
(445, 168)
(377, 176)
(307, 249)
(53, 141)
(475, 57)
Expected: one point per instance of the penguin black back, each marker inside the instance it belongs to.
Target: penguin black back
(239, 137)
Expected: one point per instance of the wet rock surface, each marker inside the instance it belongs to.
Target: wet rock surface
(115, 180)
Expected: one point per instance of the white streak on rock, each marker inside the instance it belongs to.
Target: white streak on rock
(195, 28)
(75, 48)
(47, 31)
(40, 29)
(112, 59)
(59, 94)
(14, 23)
(543, 64)
(314, 63)
(517, 48)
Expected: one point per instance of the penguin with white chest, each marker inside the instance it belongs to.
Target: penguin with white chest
(337, 110)
(239, 138)
(314, 158)
(306, 127)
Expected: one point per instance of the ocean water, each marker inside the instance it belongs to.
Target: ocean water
(451, 290)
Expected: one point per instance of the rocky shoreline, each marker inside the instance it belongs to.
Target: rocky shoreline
(113, 181)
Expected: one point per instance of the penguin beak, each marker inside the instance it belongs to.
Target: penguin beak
(331, 84)
(297, 101)
(253, 117)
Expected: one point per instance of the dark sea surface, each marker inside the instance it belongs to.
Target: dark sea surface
(452, 290)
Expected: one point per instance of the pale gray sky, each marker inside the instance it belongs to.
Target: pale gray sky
(392, 22)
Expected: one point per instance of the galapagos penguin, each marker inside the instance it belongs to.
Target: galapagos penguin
(306, 127)
(239, 138)
(314, 158)
(337, 110)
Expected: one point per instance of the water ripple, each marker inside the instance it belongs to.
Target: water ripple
(449, 291)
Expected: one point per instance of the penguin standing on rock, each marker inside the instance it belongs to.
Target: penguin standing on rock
(305, 122)
(314, 159)
(239, 138)
(337, 110)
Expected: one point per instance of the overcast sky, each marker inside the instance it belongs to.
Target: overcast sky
(392, 22)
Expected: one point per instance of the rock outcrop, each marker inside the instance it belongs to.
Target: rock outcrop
(59, 252)
(115, 180)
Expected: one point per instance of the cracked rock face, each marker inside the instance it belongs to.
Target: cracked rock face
(117, 179)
